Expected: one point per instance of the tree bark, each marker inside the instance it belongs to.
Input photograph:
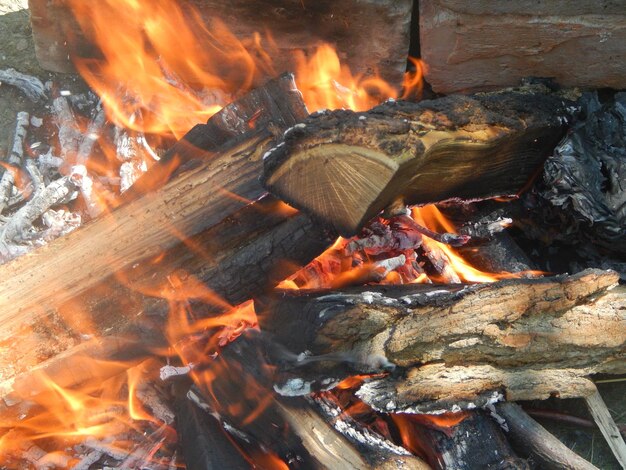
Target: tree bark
(514, 337)
(346, 167)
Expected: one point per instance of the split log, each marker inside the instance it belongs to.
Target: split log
(488, 44)
(346, 167)
(524, 338)
(96, 280)
(379, 452)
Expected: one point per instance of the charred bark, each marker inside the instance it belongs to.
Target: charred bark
(477, 443)
(346, 167)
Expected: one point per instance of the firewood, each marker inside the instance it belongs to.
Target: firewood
(53, 296)
(530, 439)
(346, 167)
(526, 338)
(299, 434)
(16, 155)
(378, 451)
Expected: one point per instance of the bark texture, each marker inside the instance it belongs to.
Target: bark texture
(519, 339)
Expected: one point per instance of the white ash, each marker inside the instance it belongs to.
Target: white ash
(36, 121)
(272, 150)
(59, 223)
(49, 161)
(130, 172)
(88, 460)
(69, 133)
(294, 388)
(15, 158)
(494, 414)
(91, 136)
(345, 426)
(105, 447)
(419, 298)
(391, 264)
(36, 178)
(31, 86)
(84, 183)
(353, 299)
(20, 225)
(151, 398)
(168, 371)
(126, 145)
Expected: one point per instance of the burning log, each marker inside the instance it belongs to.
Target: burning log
(203, 441)
(524, 338)
(346, 167)
(374, 34)
(300, 434)
(69, 288)
(475, 442)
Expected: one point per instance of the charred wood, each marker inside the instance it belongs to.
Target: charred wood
(378, 451)
(204, 443)
(346, 167)
(477, 443)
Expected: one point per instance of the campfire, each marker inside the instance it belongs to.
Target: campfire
(246, 246)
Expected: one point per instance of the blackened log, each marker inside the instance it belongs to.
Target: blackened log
(531, 440)
(346, 167)
(204, 443)
(582, 190)
(476, 443)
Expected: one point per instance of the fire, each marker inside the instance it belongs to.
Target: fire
(161, 71)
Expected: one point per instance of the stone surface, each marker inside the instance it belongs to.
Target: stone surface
(487, 43)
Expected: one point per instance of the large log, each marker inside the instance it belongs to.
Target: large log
(523, 338)
(372, 35)
(98, 279)
(487, 44)
(346, 167)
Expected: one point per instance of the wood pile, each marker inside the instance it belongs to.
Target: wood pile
(416, 348)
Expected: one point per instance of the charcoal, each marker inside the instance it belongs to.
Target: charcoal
(585, 179)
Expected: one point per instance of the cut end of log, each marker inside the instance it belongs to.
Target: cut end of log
(345, 167)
